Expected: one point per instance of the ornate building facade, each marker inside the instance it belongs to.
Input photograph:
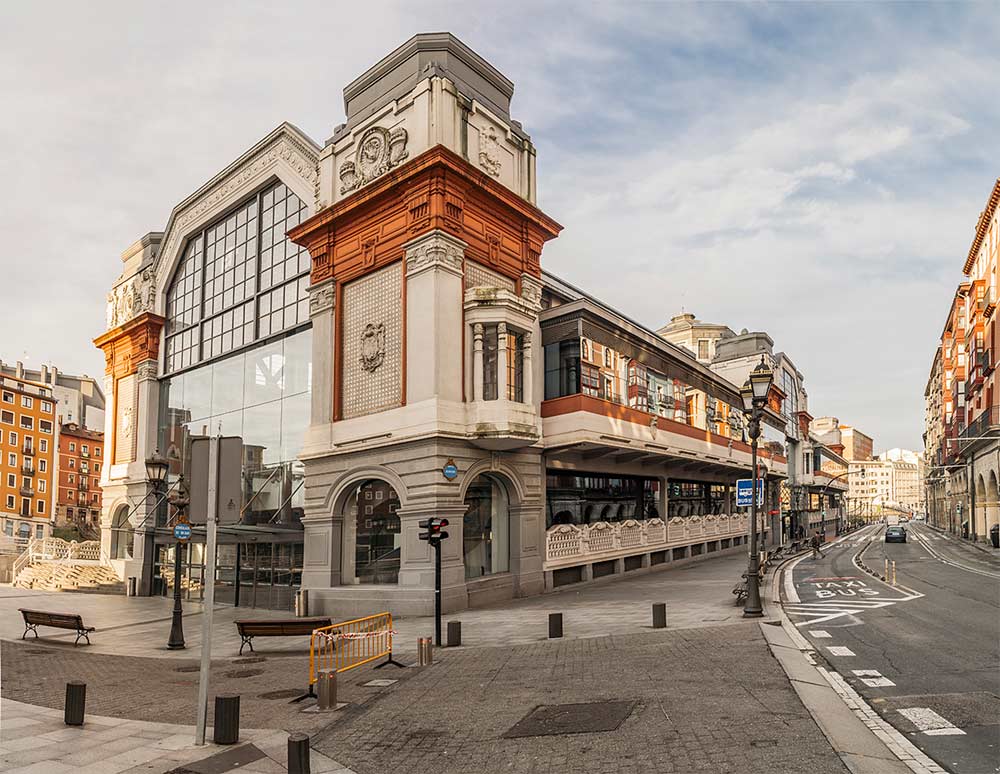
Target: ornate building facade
(373, 319)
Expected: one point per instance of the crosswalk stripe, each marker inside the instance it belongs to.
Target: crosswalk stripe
(839, 650)
(929, 722)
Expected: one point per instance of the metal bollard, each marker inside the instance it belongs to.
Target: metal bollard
(298, 754)
(425, 651)
(227, 718)
(76, 702)
(555, 625)
(660, 615)
(893, 572)
(886, 573)
(326, 689)
(454, 634)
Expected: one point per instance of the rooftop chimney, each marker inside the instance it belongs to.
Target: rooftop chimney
(44, 371)
(19, 372)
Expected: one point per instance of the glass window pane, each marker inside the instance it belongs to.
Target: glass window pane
(227, 384)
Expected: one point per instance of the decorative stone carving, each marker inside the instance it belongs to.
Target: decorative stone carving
(378, 151)
(372, 346)
(130, 299)
(435, 249)
(489, 151)
(302, 159)
(147, 370)
(127, 421)
(531, 290)
(321, 297)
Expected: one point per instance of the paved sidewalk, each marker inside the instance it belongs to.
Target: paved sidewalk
(35, 740)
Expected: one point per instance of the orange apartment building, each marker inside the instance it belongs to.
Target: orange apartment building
(78, 500)
(27, 456)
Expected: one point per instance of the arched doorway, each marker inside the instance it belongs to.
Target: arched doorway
(373, 520)
(992, 504)
(486, 527)
(122, 534)
(979, 516)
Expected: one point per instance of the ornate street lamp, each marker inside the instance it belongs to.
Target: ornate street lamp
(180, 502)
(754, 395)
(156, 469)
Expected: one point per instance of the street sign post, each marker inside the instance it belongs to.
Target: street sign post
(182, 531)
(744, 488)
(211, 525)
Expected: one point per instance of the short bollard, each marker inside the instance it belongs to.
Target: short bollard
(227, 718)
(893, 572)
(425, 651)
(886, 573)
(454, 634)
(298, 754)
(76, 702)
(660, 615)
(555, 626)
(326, 690)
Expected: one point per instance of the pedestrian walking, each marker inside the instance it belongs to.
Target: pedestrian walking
(814, 543)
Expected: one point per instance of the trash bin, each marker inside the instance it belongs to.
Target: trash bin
(131, 586)
(302, 603)
(995, 535)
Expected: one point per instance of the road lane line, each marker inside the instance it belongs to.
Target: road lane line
(925, 544)
(839, 650)
(929, 722)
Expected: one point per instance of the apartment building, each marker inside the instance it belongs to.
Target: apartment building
(28, 434)
(78, 498)
(891, 483)
(78, 399)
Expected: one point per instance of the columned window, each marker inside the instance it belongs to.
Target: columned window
(503, 361)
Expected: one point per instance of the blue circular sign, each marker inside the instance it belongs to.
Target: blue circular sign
(182, 530)
(450, 471)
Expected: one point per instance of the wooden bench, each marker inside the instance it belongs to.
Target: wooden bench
(35, 618)
(277, 627)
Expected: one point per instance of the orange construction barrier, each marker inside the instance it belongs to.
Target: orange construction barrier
(349, 644)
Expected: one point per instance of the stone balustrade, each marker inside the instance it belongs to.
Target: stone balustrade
(569, 544)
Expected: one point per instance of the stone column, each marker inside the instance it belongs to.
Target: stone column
(434, 317)
(321, 307)
(527, 547)
(502, 361)
(477, 362)
(526, 370)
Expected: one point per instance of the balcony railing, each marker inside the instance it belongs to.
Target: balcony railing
(83, 487)
(28, 451)
(84, 453)
(983, 424)
(27, 491)
(27, 470)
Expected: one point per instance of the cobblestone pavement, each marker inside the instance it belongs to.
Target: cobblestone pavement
(711, 700)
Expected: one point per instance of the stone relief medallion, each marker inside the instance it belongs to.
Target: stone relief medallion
(379, 150)
(489, 151)
(372, 346)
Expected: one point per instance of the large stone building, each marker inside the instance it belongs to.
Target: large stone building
(962, 417)
(372, 318)
(891, 483)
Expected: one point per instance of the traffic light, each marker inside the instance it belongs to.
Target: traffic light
(433, 530)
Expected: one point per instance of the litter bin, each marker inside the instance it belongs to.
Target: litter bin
(302, 603)
(995, 535)
(131, 586)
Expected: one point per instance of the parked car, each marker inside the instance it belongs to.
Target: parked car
(895, 535)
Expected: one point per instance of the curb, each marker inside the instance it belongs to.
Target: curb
(988, 550)
(865, 743)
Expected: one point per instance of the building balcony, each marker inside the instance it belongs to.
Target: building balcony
(595, 427)
(986, 424)
(500, 425)
(27, 491)
(84, 453)
(28, 451)
(83, 487)
(27, 470)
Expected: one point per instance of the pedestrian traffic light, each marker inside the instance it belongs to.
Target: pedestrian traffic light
(433, 530)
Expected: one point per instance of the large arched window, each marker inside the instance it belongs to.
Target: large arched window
(486, 528)
(377, 533)
(122, 533)
(240, 281)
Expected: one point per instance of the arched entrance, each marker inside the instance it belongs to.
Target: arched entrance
(486, 527)
(979, 516)
(992, 504)
(122, 534)
(371, 521)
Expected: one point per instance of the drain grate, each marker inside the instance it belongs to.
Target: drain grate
(284, 693)
(188, 669)
(559, 719)
(241, 673)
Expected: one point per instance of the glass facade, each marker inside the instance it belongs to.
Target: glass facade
(573, 497)
(239, 281)
(376, 533)
(697, 498)
(486, 528)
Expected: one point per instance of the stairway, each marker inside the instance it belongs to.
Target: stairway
(59, 576)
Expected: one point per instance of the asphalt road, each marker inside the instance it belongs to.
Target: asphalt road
(925, 654)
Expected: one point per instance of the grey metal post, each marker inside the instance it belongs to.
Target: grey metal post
(227, 718)
(211, 525)
(555, 625)
(753, 607)
(454, 634)
(76, 702)
(326, 689)
(298, 754)
(660, 615)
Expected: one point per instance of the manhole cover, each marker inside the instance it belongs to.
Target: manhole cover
(188, 669)
(557, 719)
(379, 683)
(37, 651)
(240, 673)
(285, 693)
(249, 660)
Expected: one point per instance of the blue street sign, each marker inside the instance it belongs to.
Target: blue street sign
(450, 470)
(182, 530)
(744, 487)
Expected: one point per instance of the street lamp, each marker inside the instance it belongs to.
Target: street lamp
(156, 469)
(754, 395)
(176, 640)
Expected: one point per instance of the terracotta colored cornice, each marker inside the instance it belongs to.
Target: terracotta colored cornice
(131, 343)
(982, 225)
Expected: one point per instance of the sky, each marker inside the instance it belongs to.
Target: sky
(815, 171)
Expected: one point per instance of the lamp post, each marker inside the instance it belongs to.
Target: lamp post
(176, 640)
(754, 394)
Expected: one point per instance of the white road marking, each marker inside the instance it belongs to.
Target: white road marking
(877, 682)
(929, 722)
(867, 672)
(820, 634)
(925, 544)
(839, 650)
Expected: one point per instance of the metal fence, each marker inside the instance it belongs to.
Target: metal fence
(349, 644)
